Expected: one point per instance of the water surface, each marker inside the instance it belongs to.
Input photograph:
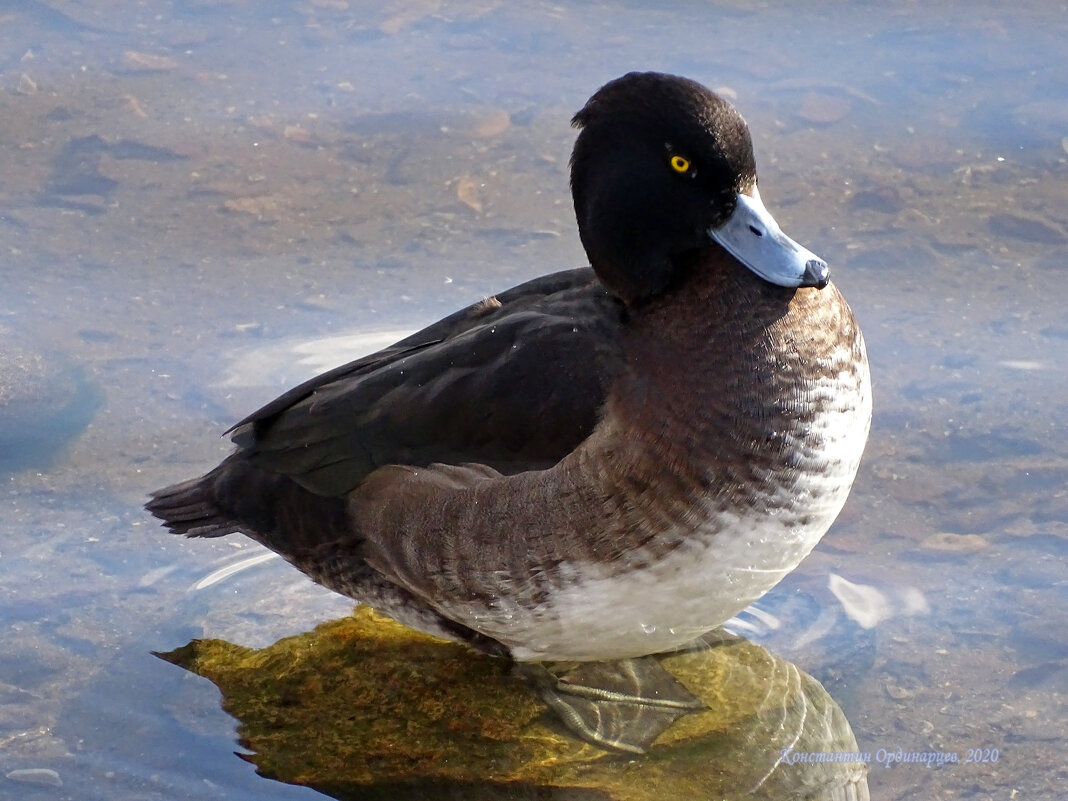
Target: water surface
(204, 202)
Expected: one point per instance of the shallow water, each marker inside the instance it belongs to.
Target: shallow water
(205, 201)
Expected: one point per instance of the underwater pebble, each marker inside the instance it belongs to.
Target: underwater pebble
(298, 134)
(1027, 228)
(823, 108)
(885, 199)
(408, 14)
(492, 123)
(954, 543)
(267, 208)
(904, 687)
(27, 86)
(43, 776)
(898, 693)
(150, 62)
(467, 192)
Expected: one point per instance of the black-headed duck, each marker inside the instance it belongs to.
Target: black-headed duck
(598, 464)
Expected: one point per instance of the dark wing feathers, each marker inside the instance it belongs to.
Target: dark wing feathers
(515, 386)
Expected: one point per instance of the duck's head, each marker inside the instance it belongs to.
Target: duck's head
(664, 167)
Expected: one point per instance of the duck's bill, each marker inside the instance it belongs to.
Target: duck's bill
(753, 237)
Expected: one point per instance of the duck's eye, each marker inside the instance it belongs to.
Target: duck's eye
(680, 164)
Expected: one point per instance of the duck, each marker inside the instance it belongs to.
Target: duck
(602, 463)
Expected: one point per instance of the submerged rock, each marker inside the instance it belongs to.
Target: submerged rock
(43, 776)
(44, 404)
(948, 543)
(364, 708)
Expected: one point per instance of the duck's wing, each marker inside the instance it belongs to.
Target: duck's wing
(514, 382)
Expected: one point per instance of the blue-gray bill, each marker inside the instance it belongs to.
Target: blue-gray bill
(753, 237)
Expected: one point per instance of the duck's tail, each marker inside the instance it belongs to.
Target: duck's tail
(311, 531)
(237, 496)
(190, 508)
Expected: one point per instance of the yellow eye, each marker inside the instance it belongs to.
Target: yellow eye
(680, 164)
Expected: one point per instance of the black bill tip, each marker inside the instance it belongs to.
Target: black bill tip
(816, 274)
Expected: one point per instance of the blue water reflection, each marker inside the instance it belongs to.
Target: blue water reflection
(205, 202)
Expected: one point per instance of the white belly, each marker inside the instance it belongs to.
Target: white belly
(666, 604)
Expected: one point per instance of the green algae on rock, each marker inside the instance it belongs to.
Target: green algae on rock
(364, 707)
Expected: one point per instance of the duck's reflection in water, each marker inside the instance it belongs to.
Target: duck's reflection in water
(364, 708)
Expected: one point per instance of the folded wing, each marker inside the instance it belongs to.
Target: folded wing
(514, 382)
